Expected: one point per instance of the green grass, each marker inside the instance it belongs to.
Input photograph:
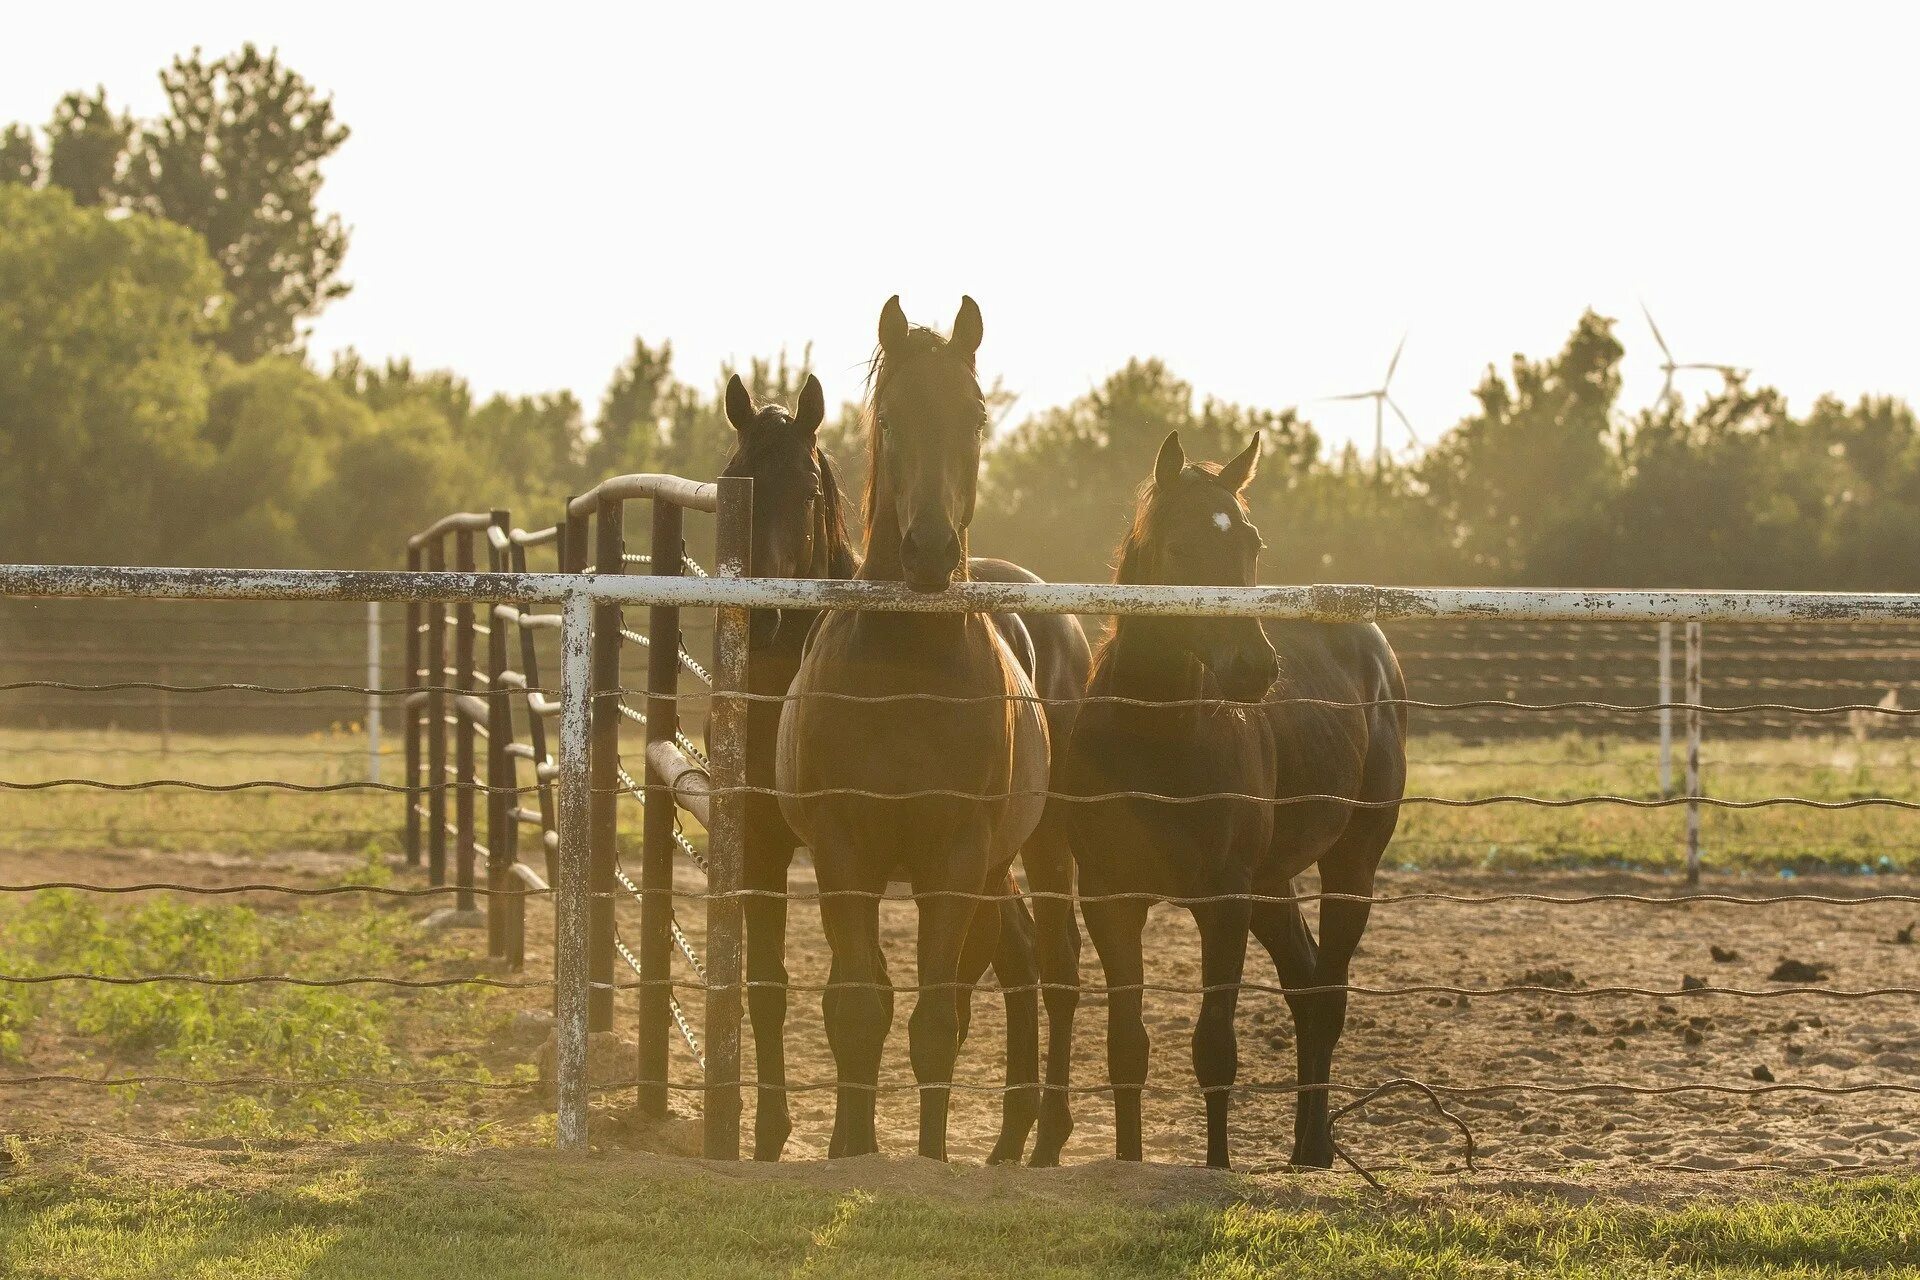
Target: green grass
(66, 1211)
(179, 820)
(265, 1030)
(1830, 766)
(1768, 840)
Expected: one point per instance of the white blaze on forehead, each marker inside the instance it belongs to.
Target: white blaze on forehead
(1222, 521)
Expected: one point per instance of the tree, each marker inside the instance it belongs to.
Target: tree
(634, 413)
(87, 148)
(19, 157)
(237, 158)
(103, 377)
(1525, 485)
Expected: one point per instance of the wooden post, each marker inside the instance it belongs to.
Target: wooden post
(609, 545)
(436, 679)
(1666, 712)
(412, 709)
(501, 824)
(657, 819)
(571, 985)
(373, 699)
(727, 830)
(1693, 753)
(465, 735)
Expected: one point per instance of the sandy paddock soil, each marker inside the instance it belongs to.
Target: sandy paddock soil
(1551, 1038)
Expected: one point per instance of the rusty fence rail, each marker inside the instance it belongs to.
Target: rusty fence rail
(578, 781)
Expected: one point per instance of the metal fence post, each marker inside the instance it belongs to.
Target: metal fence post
(410, 707)
(1666, 712)
(657, 817)
(464, 731)
(501, 797)
(609, 546)
(436, 673)
(1693, 753)
(373, 699)
(571, 987)
(726, 833)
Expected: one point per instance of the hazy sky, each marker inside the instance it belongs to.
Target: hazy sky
(1266, 196)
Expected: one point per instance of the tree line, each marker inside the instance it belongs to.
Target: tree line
(157, 405)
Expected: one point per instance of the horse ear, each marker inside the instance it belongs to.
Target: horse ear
(893, 327)
(1171, 462)
(739, 404)
(966, 327)
(1238, 474)
(813, 406)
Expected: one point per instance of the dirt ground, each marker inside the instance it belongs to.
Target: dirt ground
(1549, 1038)
(1558, 1038)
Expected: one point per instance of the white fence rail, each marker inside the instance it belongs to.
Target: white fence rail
(577, 594)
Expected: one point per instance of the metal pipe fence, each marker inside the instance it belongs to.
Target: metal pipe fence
(573, 785)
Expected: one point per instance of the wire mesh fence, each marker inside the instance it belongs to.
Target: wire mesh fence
(1535, 964)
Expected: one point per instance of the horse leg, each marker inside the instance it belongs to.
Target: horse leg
(1049, 863)
(1319, 1018)
(1216, 1046)
(1283, 932)
(766, 920)
(1115, 929)
(858, 1005)
(1014, 967)
(947, 895)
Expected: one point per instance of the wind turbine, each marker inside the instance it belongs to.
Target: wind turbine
(1382, 401)
(1670, 367)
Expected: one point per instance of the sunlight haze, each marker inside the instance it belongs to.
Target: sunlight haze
(1266, 197)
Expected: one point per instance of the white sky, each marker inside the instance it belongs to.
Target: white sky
(1265, 196)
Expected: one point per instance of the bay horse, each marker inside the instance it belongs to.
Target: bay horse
(1181, 707)
(800, 531)
(886, 707)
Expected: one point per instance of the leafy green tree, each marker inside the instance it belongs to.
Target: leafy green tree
(391, 482)
(272, 432)
(237, 157)
(1525, 484)
(87, 148)
(103, 376)
(529, 447)
(398, 383)
(19, 157)
(634, 413)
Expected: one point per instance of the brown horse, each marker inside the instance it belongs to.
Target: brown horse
(799, 531)
(852, 769)
(1183, 707)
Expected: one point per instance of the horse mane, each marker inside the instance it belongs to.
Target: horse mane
(919, 342)
(840, 558)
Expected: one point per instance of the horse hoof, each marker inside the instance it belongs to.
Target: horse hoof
(1005, 1153)
(770, 1137)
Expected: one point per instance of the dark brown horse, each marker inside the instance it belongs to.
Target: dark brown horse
(1183, 707)
(799, 531)
(853, 769)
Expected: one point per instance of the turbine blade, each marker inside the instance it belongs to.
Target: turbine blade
(1664, 350)
(1356, 395)
(1666, 388)
(1393, 364)
(1411, 433)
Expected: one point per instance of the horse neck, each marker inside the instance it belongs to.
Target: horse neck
(1139, 664)
(831, 560)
